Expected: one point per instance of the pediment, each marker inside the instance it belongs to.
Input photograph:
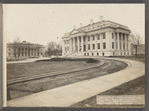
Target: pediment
(74, 31)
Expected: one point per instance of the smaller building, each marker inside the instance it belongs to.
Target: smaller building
(24, 50)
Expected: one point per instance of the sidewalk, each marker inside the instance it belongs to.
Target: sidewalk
(67, 95)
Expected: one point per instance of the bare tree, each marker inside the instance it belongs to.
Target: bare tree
(136, 40)
(16, 47)
(54, 49)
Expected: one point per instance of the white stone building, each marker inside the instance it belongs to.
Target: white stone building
(103, 38)
(24, 50)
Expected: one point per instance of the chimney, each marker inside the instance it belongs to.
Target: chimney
(80, 25)
(91, 21)
(74, 27)
(101, 18)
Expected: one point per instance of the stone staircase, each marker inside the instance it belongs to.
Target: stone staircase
(74, 54)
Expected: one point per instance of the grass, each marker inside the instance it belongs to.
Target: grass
(140, 57)
(88, 60)
(30, 87)
(134, 87)
(45, 66)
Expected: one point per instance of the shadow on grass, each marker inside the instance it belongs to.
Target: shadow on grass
(88, 60)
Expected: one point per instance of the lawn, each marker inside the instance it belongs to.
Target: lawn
(34, 86)
(140, 57)
(46, 66)
(134, 87)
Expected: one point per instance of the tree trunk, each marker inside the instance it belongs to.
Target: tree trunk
(136, 51)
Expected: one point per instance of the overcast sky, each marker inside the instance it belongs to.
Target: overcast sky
(42, 23)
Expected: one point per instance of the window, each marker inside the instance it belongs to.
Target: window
(120, 45)
(98, 45)
(123, 37)
(84, 47)
(98, 36)
(104, 37)
(88, 38)
(88, 46)
(93, 37)
(97, 54)
(112, 45)
(93, 46)
(116, 45)
(84, 54)
(123, 45)
(104, 45)
(116, 35)
(84, 39)
(25, 53)
(120, 36)
(87, 54)
(112, 35)
(92, 54)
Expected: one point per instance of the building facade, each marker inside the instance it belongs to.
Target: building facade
(24, 50)
(104, 38)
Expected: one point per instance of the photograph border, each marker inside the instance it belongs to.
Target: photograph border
(2, 47)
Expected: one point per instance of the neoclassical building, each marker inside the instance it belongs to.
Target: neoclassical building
(103, 38)
(24, 50)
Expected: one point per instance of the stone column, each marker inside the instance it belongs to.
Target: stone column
(118, 42)
(91, 45)
(78, 43)
(129, 45)
(125, 42)
(70, 45)
(30, 52)
(82, 44)
(24, 52)
(122, 41)
(33, 51)
(95, 42)
(20, 52)
(27, 52)
(114, 41)
(101, 43)
(86, 37)
(73, 44)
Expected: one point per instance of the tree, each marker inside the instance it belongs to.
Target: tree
(136, 40)
(54, 49)
(16, 47)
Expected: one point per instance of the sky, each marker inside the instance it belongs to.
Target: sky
(43, 23)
